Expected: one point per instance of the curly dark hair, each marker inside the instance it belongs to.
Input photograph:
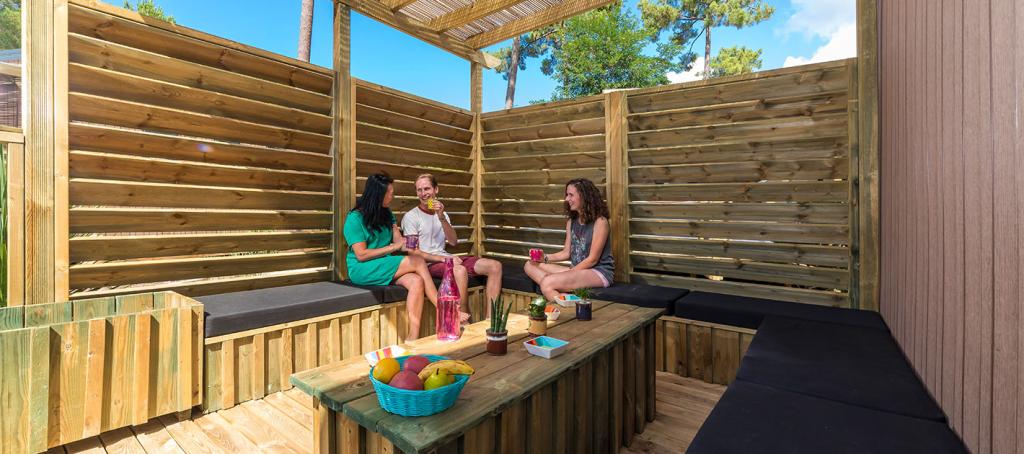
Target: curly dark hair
(371, 204)
(593, 205)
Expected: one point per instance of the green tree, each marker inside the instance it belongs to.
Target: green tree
(687, 20)
(513, 58)
(10, 24)
(604, 49)
(149, 9)
(731, 61)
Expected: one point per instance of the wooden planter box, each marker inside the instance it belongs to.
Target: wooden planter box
(71, 370)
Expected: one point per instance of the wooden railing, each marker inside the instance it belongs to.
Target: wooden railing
(12, 287)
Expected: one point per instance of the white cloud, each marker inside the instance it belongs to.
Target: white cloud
(695, 73)
(841, 44)
(833, 20)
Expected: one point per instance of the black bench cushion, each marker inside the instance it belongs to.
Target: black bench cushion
(514, 278)
(849, 364)
(641, 295)
(383, 293)
(234, 312)
(756, 418)
(748, 312)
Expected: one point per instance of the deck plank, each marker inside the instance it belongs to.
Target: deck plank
(292, 408)
(155, 439)
(265, 440)
(121, 441)
(189, 436)
(224, 436)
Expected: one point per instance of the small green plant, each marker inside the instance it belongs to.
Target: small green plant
(537, 307)
(499, 315)
(583, 293)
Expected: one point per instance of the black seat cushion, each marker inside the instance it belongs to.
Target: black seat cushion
(748, 312)
(849, 364)
(756, 418)
(514, 278)
(383, 293)
(228, 313)
(641, 295)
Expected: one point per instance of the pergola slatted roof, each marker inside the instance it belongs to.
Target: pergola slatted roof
(463, 27)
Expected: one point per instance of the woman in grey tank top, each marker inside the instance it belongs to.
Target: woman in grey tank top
(587, 245)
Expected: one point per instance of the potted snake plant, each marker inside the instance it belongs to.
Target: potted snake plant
(497, 333)
(538, 319)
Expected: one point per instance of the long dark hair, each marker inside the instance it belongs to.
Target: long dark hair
(593, 205)
(371, 204)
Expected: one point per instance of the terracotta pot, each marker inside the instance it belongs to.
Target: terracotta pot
(538, 326)
(497, 343)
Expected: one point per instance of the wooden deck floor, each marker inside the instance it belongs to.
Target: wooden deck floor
(282, 423)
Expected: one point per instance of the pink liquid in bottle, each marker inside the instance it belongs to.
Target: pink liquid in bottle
(448, 328)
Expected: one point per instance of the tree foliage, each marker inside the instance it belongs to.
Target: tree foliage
(10, 24)
(731, 61)
(605, 49)
(149, 9)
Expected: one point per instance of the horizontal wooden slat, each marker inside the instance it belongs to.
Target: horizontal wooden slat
(111, 84)
(570, 128)
(112, 193)
(549, 161)
(403, 203)
(750, 171)
(536, 177)
(827, 278)
(800, 191)
(142, 143)
(184, 44)
(365, 168)
(754, 109)
(517, 248)
(576, 144)
(96, 109)
(110, 220)
(814, 213)
(745, 230)
(115, 57)
(135, 272)
(741, 151)
(549, 237)
(517, 118)
(407, 188)
(150, 246)
(213, 286)
(775, 292)
(793, 128)
(87, 164)
(412, 157)
(389, 99)
(525, 220)
(795, 83)
(517, 207)
(533, 193)
(395, 120)
(806, 254)
(376, 134)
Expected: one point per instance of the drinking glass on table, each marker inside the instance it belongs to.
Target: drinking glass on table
(536, 255)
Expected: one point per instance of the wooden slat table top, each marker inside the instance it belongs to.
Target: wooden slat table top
(498, 381)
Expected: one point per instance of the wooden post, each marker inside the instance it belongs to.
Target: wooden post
(343, 131)
(45, 88)
(616, 142)
(476, 80)
(853, 147)
(867, 96)
(15, 221)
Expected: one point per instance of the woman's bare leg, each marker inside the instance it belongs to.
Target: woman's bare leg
(556, 283)
(413, 303)
(538, 271)
(416, 265)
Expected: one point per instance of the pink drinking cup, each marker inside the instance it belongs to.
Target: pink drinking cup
(412, 241)
(536, 255)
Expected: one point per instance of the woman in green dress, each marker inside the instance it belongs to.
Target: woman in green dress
(372, 234)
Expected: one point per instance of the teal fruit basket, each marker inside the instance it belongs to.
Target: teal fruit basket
(404, 402)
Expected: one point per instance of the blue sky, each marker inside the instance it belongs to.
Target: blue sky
(801, 31)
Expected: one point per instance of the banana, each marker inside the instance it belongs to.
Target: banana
(451, 366)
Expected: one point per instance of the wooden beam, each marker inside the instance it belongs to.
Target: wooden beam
(8, 69)
(395, 5)
(867, 96)
(616, 142)
(469, 13)
(538, 20)
(476, 80)
(381, 13)
(343, 133)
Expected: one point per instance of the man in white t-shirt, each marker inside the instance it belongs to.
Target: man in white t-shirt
(435, 231)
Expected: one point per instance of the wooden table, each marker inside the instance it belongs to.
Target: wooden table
(592, 398)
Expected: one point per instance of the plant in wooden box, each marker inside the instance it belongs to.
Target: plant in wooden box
(497, 334)
(538, 320)
(583, 307)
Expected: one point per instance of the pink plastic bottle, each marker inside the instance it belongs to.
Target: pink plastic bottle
(448, 328)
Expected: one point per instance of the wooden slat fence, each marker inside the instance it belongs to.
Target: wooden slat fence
(195, 165)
